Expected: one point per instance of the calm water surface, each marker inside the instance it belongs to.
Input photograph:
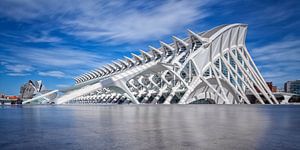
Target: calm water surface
(150, 127)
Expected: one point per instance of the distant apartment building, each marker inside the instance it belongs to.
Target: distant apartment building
(272, 88)
(270, 85)
(2, 95)
(292, 86)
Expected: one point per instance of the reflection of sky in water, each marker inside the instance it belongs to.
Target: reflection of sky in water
(150, 127)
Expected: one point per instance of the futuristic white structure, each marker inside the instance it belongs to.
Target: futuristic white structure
(212, 66)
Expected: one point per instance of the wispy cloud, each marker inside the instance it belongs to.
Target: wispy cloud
(23, 61)
(32, 9)
(57, 74)
(103, 20)
(280, 51)
(263, 13)
(61, 57)
(17, 74)
(276, 13)
(18, 68)
(131, 25)
(93, 20)
(279, 61)
(57, 57)
(62, 85)
(43, 39)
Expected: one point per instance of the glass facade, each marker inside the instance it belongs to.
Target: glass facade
(292, 87)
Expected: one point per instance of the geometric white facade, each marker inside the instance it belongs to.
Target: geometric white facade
(211, 67)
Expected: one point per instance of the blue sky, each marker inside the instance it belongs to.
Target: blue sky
(56, 40)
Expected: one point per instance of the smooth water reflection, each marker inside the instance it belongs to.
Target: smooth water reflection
(150, 127)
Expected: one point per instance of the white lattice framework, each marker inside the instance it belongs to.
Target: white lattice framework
(214, 65)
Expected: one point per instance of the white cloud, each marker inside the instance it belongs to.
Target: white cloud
(62, 85)
(101, 20)
(14, 68)
(54, 57)
(44, 36)
(22, 61)
(3, 63)
(279, 61)
(18, 68)
(17, 74)
(98, 20)
(287, 50)
(57, 74)
(43, 39)
(60, 57)
(134, 24)
(31, 9)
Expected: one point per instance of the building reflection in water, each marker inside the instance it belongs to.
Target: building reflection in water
(150, 127)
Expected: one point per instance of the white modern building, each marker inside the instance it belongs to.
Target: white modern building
(208, 67)
(292, 87)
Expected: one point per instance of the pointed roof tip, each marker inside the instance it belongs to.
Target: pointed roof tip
(122, 61)
(91, 72)
(142, 51)
(113, 69)
(199, 37)
(151, 47)
(98, 69)
(94, 71)
(180, 40)
(105, 67)
(117, 64)
(192, 32)
(109, 65)
(155, 49)
(136, 56)
(189, 30)
(166, 45)
(127, 57)
(162, 42)
(145, 54)
(175, 37)
(101, 69)
(85, 76)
